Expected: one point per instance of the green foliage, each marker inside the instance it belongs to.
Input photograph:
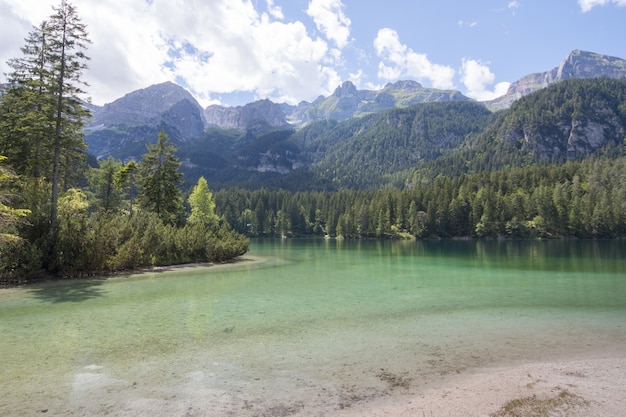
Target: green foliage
(576, 199)
(106, 183)
(10, 217)
(202, 205)
(160, 179)
(41, 114)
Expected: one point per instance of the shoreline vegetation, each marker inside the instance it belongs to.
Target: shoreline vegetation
(6, 283)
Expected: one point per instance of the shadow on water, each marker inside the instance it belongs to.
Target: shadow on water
(68, 292)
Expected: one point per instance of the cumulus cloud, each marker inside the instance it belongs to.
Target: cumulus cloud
(330, 20)
(476, 77)
(274, 10)
(398, 61)
(210, 48)
(587, 5)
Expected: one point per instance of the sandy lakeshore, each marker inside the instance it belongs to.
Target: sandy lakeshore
(595, 387)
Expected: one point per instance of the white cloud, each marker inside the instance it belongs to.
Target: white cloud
(476, 76)
(514, 4)
(587, 5)
(329, 18)
(210, 48)
(274, 10)
(463, 24)
(400, 61)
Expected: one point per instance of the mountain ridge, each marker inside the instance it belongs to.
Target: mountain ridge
(578, 64)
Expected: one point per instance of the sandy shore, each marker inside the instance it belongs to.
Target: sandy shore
(595, 387)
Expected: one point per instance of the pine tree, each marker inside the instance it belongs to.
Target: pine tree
(67, 44)
(160, 179)
(125, 180)
(25, 108)
(41, 115)
(102, 181)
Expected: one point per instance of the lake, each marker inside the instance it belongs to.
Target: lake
(306, 326)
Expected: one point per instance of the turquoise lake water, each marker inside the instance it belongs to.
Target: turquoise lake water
(306, 326)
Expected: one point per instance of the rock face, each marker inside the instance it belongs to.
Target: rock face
(346, 101)
(578, 64)
(241, 117)
(135, 119)
(569, 120)
(144, 106)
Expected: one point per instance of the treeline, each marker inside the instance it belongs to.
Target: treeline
(577, 199)
(59, 215)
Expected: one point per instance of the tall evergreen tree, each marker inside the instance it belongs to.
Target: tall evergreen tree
(102, 181)
(125, 180)
(67, 44)
(160, 179)
(25, 107)
(41, 114)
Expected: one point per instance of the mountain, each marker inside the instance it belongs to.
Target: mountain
(346, 101)
(578, 64)
(569, 120)
(242, 117)
(144, 106)
(124, 126)
(372, 138)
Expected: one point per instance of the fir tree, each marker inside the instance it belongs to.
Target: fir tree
(160, 179)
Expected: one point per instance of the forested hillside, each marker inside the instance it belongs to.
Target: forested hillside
(379, 150)
(551, 166)
(569, 120)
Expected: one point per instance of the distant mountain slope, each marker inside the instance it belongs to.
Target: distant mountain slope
(377, 150)
(242, 117)
(345, 102)
(571, 119)
(143, 106)
(578, 64)
(123, 127)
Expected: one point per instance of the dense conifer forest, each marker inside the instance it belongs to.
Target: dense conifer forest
(585, 199)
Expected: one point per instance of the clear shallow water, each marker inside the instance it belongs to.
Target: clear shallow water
(315, 326)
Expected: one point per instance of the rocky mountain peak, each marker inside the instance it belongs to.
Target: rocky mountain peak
(145, 105)
(582, 64)
(578, 64)
(404, 85)
(345, 90)
(241, 117)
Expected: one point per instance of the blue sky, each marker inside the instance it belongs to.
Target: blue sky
(236, 51)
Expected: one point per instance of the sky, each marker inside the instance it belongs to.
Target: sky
(232, 52)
